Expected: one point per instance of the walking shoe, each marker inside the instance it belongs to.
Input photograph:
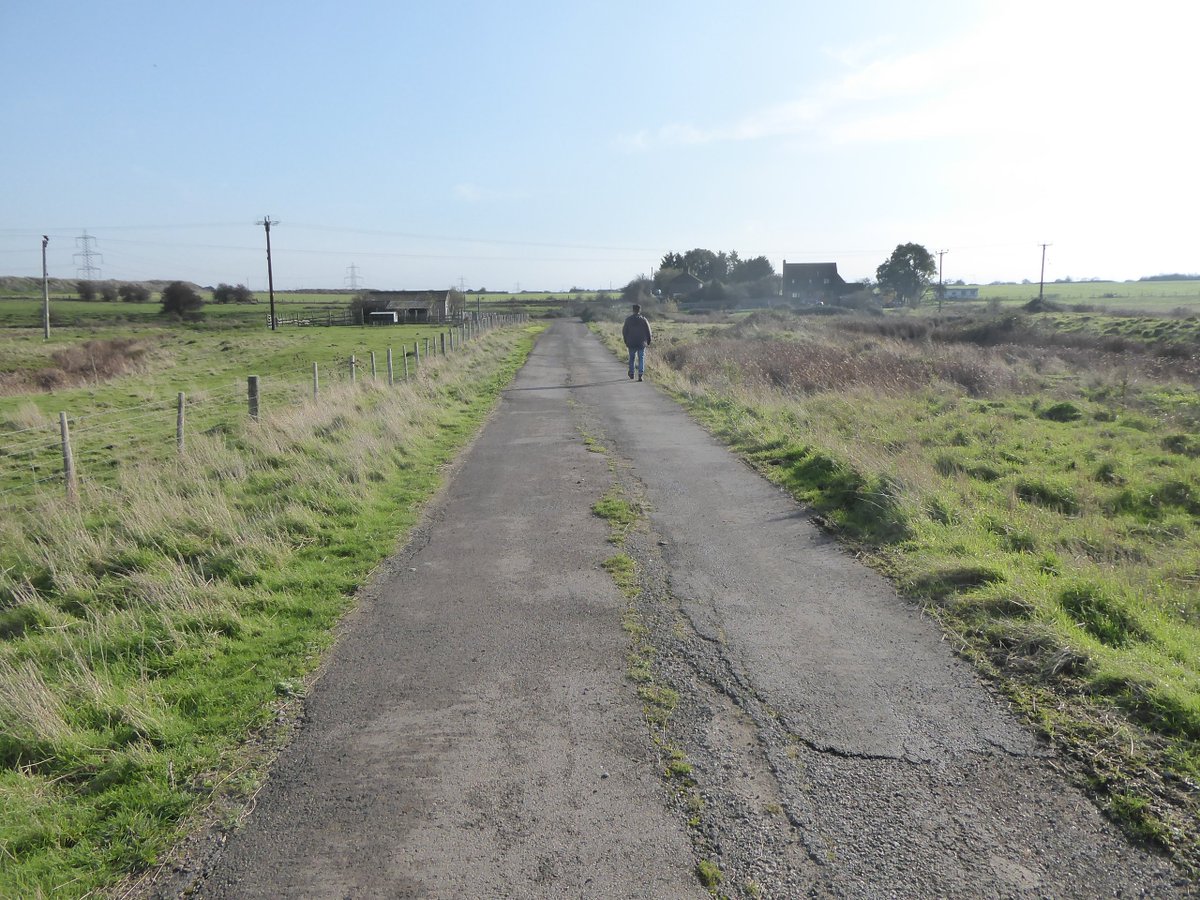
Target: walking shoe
(639, 378)
(631, 376)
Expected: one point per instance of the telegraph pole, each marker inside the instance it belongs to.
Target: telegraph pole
(1042, 277)
(941, 288)
(267, 223)
(45, 292)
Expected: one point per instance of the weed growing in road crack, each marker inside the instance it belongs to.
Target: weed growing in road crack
(709, 874)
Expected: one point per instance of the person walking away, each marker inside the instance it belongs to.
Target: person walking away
(637, 335)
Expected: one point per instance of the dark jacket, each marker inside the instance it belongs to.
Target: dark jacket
(636, 332)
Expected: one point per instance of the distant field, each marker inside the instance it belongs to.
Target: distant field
(17, 311)
(1138, 296)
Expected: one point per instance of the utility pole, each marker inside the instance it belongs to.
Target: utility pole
(941, 287)
(1042, 277)
(266, 223)
(45, 292)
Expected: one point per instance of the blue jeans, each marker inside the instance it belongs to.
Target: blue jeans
(638, 353)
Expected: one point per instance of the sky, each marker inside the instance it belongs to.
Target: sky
(537, 145)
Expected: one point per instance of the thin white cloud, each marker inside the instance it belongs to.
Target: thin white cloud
(1002, 75)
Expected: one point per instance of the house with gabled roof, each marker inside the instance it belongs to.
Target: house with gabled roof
(812, 283)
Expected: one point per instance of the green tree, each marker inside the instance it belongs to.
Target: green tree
(134, 293)
(639, 290)
(750, 269)
(705, 264)
(181, 299)
(108, 292)
(229, 293)
(87, 290)
(663, 277)
(907, 273)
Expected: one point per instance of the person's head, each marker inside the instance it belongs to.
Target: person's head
(637, 308)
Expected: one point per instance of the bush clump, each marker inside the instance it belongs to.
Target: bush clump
(1061, 412)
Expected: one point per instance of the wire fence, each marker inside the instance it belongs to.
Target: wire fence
(92, 446)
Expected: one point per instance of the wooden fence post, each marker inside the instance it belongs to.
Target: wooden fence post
(68, 456)
(252, 396)
(405, 354)
(353, 369)
(374, 372)
(416, 353)
(442, 335)
(179, 425)
(391, 371)
(316, 382)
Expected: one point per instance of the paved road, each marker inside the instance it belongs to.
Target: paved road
(475, 735)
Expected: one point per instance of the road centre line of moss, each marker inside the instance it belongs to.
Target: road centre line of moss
(658, 699)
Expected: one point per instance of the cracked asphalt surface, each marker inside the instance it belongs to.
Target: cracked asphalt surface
(475, 734)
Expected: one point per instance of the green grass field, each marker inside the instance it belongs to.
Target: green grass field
(156, 631)
(1135, 296)
(70, 312)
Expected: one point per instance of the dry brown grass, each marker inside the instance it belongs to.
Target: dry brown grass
(885, 365)
(91, 362)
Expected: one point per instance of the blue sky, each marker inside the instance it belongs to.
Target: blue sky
(547, 145)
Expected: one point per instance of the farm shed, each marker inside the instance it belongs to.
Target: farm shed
(961, 293)
(413, 306)
(385, 317)
(809, 283)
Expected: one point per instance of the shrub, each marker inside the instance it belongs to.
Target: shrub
(1061, 412)
(229, 293)
(181, 299)
(134, 293)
